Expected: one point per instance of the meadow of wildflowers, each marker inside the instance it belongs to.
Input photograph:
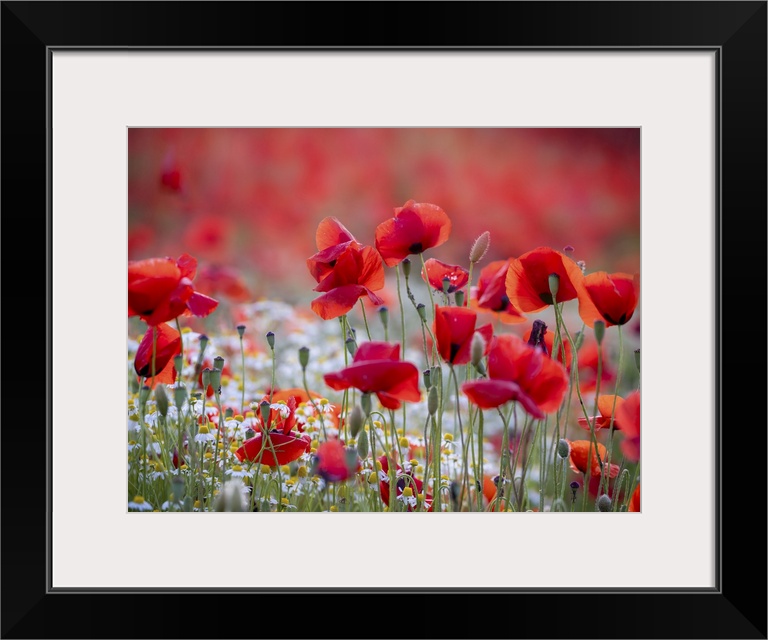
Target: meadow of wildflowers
(411, 381)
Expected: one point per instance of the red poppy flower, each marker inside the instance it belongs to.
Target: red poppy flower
(518, 371)
(210, 237)
(628, 416)
(299, 396)
(332, 239)
(549, 344)
(454, 329)
(435, 271)
(527, 282)
(490, 294)
(356, 273)
(403, 481)
(634, 501)
(160, 289)
(377, 368)
(288, 447)
(167, 345)
(416, 227)
(580, 453)
(588, 361)
(170, 174)
(288, 444)
(332, 461)
(225, 281)
(610, 297)
(605, 407)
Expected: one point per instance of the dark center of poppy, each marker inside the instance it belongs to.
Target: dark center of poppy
(621, 320)
(546, 298)
(454, 351)
(538, 331)
(416, 247)
(503, 303)
(332, 263)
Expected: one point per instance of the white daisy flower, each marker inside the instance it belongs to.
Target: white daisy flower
(237, 471)
(407, 497)
(204, 435)
(139, 504)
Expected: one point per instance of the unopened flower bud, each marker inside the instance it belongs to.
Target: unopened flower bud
(427, 375)
(241, 330)
(365, 403)
(304, 357)
(563, 448)
(161, 398)
(604, 503)
(480, 247)
(637, 359)
(179, 396)
(432, 401)
(351, 346)
(422, 310)
(228, 413)
(554, 285)
(271, 339)
(384, 316)
(599, 331)
(265, 411)
(477, 349)
(356, 421)
(362, 444)
(178, 364)
(459, 296)
(406, 268)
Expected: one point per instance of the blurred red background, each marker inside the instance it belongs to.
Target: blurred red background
(249, 200)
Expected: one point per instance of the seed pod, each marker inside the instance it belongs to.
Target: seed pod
(304, 357)
(362, 444)
(480, 247)
(356, 421)
(161, 398)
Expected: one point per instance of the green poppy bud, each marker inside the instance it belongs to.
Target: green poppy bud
(459, 296)
(362, 444)
(179, 396)
(604, 503)
(599, 331)
(384, 316)
(365, 403)
(563, 448)
(178, 364)
(161, 398)
(271, 340)
(406, 268)
(356, 421)
(432, 401)
(304, 357)
(422, 310)
(554, 285)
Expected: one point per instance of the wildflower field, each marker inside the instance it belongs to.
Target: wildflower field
(457, 355)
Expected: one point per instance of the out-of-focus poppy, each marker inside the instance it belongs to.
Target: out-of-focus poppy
(332, 461)
(605, 407)
(170, 173)
(454, 329)
(403, 481)
(210, 237)
(160, 289)
(628, 416)
(416, 227)
(356, 273)
(167, 345)
(634, 501)
(518, 371)
(377, 368)
(224, 281)
(588, 360)
(549, 347)
(610, 297)
(288, 444)
(436, 271)
(580, 454)
(490, 294)
(527, 281)
(332, 240)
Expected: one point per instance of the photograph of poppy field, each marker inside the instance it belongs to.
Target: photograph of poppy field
(379, 320)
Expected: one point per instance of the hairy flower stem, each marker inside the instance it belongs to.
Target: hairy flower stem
(613, 407)
(365, 320)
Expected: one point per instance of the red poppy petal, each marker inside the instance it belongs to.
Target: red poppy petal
(187, 266)
(201, 305)
(489, 394)
(628, 415)
(395, 238)
(372, 271)
(520, 291)
(331, 232)
(323, 262)
(372, 376)
(435, 271)
(346, 270)
(167, 344)
(338, 301)
(374, 350)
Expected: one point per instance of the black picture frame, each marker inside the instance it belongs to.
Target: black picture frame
(736, 608)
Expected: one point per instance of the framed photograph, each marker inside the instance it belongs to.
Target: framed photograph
(301, 182)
